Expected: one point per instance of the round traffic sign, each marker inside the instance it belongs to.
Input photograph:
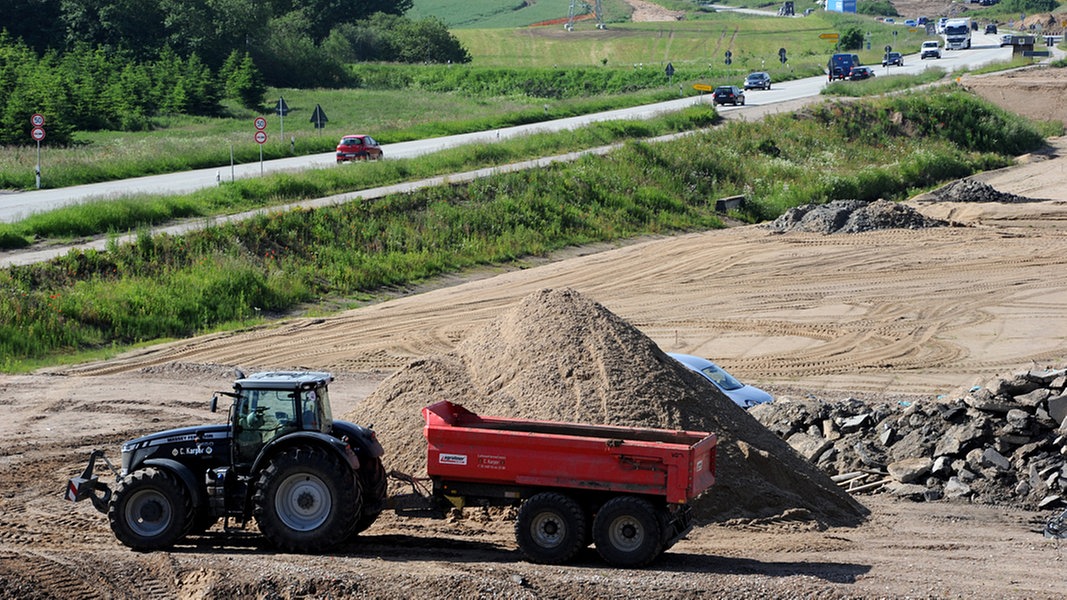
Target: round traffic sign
(261, 123)
(261, 136)
(37, 133)
(37, 119)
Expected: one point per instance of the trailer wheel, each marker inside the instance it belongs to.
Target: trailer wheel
(307, 500)
(627, 531)
(150, 510)
(374, 482)
(550, 528)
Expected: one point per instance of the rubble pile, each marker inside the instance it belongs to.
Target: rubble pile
(1002, 443)
(969, 190)
(851, 216)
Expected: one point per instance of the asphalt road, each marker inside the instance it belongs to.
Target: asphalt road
(17, 206)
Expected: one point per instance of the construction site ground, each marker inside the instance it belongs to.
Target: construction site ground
(892, 314)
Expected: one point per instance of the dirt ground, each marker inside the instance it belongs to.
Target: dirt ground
(892, 314)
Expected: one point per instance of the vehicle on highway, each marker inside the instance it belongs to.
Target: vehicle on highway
(743, 395)
(893, 58)
(839, 65)
(991, 29)
(911, 23)
(759, 80)
(957, 34)
(358, 147)
(930, 49)
(1005, 40)
(728, 94)
(941, 25)
(860, 73)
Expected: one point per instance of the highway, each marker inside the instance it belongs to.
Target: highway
(18, 205)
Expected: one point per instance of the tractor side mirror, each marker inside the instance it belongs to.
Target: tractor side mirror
(214, 406)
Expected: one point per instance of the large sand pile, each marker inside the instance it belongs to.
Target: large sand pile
(559, 356)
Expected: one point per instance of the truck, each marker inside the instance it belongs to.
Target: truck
(840, 65)
(311, 482)
(957, 34)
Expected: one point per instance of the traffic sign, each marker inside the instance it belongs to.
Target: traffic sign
(37, 133)
(260, 123)
(829, 36)
(261, 136)
(281, 108)
(669, 70)
(37, 120)
(319, 117)
(702, 87)
(1036, 53)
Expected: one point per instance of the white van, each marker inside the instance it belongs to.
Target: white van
(930, 49)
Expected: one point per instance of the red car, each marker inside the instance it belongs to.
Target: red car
(358, 147)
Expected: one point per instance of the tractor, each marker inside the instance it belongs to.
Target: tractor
(309, 482)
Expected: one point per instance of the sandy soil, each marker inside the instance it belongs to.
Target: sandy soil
(890, 313)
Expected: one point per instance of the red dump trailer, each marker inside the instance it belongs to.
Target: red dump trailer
(625, 489)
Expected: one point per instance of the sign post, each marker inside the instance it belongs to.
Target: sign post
(37, 133)
(261, 138)
(319, 118)
(282, 109)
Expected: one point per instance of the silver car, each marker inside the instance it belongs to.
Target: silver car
(743, 395)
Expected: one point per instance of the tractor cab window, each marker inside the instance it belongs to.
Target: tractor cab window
(262, 415)
(316, 414)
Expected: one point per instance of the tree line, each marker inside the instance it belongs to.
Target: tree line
(114, 64)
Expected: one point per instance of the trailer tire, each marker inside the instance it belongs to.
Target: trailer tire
(628, 532)
(150, 510)
(307, 500)
(374, 483)
(550, 528)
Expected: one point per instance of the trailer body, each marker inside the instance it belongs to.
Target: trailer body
(676, 466)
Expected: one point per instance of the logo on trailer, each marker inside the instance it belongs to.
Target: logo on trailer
(452, 459)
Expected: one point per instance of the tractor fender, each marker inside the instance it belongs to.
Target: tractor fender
(314, 438)
(184, 473)
(363, 440)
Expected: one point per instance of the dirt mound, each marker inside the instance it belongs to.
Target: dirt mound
(559, 356)
(969, 190)
(851, 216)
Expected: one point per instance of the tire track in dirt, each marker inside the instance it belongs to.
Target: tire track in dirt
(793, 307)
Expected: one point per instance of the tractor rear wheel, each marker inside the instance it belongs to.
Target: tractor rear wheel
(150, 510)
(628, 532)
(307, 500)
(550, 528)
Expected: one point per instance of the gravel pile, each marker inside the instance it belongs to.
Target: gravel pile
(559, 356)
(1002, 443)
(851, 216)
(968, 190)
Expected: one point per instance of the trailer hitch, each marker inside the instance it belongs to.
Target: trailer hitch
(86, 486)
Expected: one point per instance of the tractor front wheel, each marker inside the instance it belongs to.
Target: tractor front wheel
(307, 500)
(150, 510)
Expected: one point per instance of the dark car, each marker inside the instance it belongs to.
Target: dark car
(860, 73)
(893, 58)
(991, 29)
(358, 147)
(758, 80)
(728, 94)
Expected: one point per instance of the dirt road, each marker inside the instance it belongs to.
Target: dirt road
(902, 312)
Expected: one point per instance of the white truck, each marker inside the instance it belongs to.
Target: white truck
(957, 34)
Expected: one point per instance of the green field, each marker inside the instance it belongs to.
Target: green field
(494, 14)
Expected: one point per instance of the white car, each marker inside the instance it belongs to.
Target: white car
(743, 395)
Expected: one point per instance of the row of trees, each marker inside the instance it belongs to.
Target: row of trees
(115, 64)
